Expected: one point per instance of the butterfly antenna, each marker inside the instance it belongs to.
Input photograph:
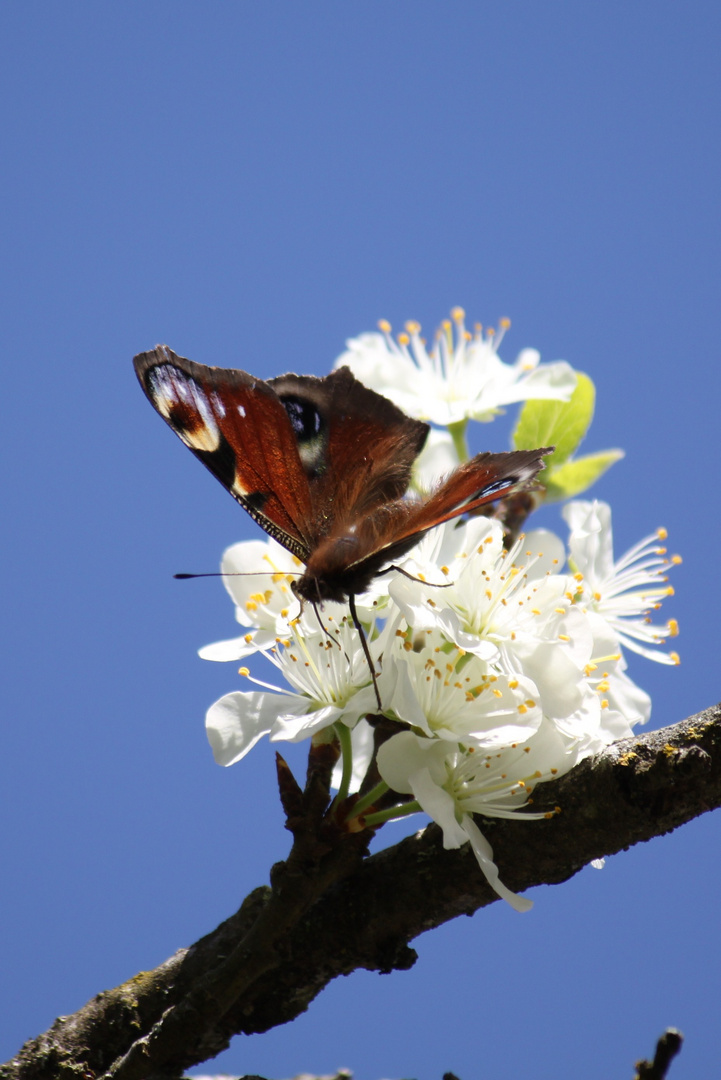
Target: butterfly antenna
(366, 650)
(230, 573)
(421, 581)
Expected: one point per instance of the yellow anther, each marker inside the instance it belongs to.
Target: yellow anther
(673, 627)
(384, 326)
(662, 533)
(403, 339)
(413, 327)
(458, 314)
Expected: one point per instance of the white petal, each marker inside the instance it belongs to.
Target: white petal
(236, 648)
(405, 754)
(439, 806)
(236, 722)
(484, 854)
(362, 743)
(294, 726)
(555, 381)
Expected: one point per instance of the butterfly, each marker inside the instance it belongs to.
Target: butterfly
(322, 464)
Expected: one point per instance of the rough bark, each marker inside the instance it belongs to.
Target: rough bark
(331, 909)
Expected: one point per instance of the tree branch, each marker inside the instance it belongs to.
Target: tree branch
(330, 911)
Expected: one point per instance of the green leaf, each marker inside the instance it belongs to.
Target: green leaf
(562, 424)
(574, 477)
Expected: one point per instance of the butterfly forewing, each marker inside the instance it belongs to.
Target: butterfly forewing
(239, 429)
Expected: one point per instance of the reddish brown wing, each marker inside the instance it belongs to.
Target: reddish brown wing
(479, 481)
(296, 452)
(367, 448)
(240, 431)
(358, 548)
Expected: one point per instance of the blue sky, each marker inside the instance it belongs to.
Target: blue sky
(253, 184)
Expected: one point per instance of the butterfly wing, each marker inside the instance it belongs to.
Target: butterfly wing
(480, 480)
(238, 428)
(352, 556)
(362, 456)
(297, 452)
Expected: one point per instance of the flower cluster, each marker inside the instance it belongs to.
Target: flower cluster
(502, 664)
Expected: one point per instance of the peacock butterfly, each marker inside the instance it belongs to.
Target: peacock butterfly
(322, 464)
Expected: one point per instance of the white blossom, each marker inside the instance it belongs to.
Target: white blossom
(331, 684)
(460, 377)
(451, 783)
(505, 666)
(622, 593)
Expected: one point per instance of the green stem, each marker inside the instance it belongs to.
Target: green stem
(369, 798)
(457, 432)
(392, 813)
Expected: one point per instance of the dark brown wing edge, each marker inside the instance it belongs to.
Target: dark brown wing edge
(483, 479)
(257, 457)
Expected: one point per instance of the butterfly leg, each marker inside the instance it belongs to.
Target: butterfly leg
(366, 650)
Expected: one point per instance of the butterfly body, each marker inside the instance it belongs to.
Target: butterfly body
(322, 464)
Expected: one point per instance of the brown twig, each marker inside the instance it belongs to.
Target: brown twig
(667, 1048)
